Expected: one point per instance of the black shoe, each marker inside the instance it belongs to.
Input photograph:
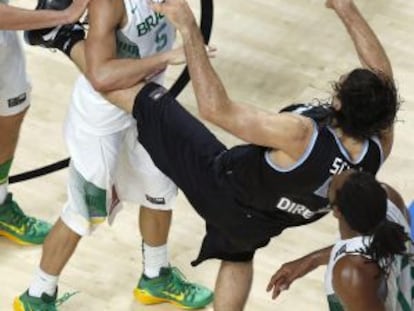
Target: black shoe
(62, 37)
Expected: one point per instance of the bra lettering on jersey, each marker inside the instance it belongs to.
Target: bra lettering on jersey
(149, 23)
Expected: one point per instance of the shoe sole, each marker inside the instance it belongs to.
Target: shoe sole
(17, 305)
(146, 298)
(16, 240)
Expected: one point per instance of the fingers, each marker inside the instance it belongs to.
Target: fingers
(211, 48)
(211, 51)
(159, 5)
(156, 5)
(277, 286)
(280, 275)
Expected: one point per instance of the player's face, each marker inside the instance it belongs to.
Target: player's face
(336, 184)
(336, 103)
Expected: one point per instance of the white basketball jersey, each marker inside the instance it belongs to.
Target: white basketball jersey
(145, 33)
(13, 77)
(399, 283)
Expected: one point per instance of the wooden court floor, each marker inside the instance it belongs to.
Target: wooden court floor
(271, 53)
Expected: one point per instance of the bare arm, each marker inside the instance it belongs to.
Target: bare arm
(369, 49)
(105, 71)
(14, 18)
(356, 283)
(287, 132)
(293, 270)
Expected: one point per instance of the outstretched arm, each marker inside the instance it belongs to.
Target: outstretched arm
(293, 270)
(287, 132)
(14, 18)
(370, 51)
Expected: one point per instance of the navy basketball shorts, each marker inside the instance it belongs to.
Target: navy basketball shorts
(185, 150)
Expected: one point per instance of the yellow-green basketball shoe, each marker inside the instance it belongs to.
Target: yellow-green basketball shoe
(25, 302)
(171, 286)
(20, 228)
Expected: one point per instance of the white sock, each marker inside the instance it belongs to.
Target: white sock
(43, 283)
(3, 192)
(154, 259)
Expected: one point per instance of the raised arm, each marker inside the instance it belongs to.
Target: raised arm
(290, 133)
(105, 71)
(369, 49)
(14, 18)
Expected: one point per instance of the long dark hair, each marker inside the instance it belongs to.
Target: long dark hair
(363, 203)
(369, 103)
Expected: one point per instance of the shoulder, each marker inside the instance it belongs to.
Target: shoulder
(357, 282)
(110, 10)
(395, 197)
(353, 274)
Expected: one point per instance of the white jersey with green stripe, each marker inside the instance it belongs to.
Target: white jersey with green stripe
(13, 78)
(144, 34)
(397, 291)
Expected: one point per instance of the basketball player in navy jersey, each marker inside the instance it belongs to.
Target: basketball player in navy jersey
(368, 268)
(250, 193)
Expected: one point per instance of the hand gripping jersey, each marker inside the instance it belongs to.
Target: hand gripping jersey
(145, 33)
(397, 291)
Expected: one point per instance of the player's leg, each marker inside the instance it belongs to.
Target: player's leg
(233, 285)
(154, 226)
(138, 180)
(93, 161)
(57, 250)
(14, 102)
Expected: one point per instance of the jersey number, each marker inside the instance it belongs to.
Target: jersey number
(161, 38)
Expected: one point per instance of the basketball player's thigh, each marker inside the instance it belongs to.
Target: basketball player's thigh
(138, 180)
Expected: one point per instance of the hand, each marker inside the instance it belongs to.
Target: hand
(177, 11)
(288, 273)
(76, 10)
(177, 55)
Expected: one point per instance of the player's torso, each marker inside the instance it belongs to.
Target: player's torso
(143, 32)
(298, 194)
(396, 290)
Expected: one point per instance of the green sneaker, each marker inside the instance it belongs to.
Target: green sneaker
(171, 286)
(28, 303)
(18, 227)
(25, 302)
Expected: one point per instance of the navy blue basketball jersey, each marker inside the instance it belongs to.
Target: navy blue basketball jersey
(296, 195)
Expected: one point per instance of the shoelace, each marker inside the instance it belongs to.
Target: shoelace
(18, 218)
(181, 285)
(65, 297)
